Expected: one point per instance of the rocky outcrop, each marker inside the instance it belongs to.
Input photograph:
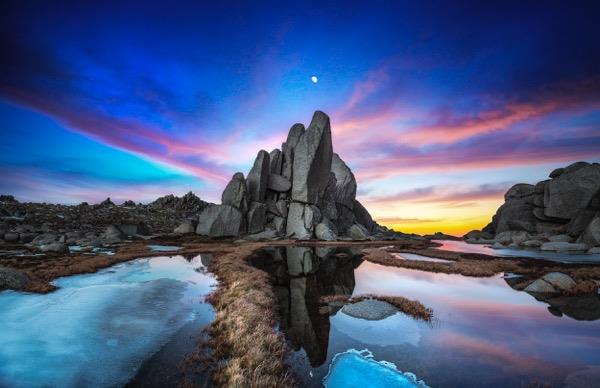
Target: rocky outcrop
(220, 221)
(302, 191)
(560, 214)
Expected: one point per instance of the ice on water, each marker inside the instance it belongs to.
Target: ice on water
(97, 329)
(355, 368)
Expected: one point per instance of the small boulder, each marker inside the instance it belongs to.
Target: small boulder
(358, 232)
(55, 247)
(13, 279)
(112, 233)
(559, 281)
(591, 234)
(184, 228)
(540, 286)
(324, 232)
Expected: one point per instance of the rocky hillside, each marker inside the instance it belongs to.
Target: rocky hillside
(51, 227)
(561, 213)
(303, 190)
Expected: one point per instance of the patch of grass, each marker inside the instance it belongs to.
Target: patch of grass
(414, 308)
(247, 349)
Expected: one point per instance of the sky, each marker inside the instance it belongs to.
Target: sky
(438, 108)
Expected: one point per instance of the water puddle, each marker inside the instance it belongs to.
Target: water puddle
(484, 333)
(461, 246)
(98, 329)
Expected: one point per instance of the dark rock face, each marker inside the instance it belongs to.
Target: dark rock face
(220, 221)
(566, 204)
(258, 177)
(302, 191)
(235, 193)
(312, 160)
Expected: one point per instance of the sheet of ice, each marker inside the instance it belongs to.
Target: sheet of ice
(461, 246)
(355, 368)
(163, 248)
(97, 329)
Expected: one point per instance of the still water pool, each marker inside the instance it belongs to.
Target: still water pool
(98, 329)
(484, 332)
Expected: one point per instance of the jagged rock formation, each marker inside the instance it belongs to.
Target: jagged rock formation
(302, 191)
(560, 213)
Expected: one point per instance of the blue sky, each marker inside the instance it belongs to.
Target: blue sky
(144, 99)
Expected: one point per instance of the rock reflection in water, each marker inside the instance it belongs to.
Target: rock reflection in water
(302, 275)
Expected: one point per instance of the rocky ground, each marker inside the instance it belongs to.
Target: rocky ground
(558, 214)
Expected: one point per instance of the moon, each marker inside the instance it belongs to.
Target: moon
(314, 79)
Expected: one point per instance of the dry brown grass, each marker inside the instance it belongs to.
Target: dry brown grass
(414, 308)
(248, 351)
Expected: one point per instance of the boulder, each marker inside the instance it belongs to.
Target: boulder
(258, 177)
(591, 234)
(235, 193)
(324, 232)
(11, 237)
(345, 188)
(256, 217)
(288, 148)
(561, 238)
(572, 191)
(532, 243)
(312, 161)
(110, 233)
(13, 279)
(279, 183)
(184, 228)
(220, 221)
(296, 226)
(45, 238)
(511, 236)
(55, 247)
(358, 232)
(540, 286)
(279, 224)
(133, 228)
(563, 247)
(559, 281)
